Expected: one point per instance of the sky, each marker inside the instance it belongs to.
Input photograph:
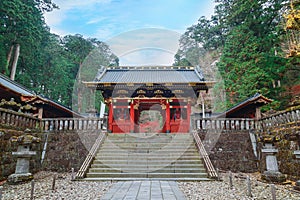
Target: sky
(139, 32)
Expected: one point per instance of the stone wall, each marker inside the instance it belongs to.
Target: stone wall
(65, 150)
(68, 149)
(7, 161)
(286, 159)
(230, 150)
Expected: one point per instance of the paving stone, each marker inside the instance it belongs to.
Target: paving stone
(144, 190)
(176, 190)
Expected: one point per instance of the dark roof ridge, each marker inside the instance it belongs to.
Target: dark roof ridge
(19, 86)
(246, 101)
(150, 67)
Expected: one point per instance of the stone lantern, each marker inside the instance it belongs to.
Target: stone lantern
(272, 173)
(23, 155)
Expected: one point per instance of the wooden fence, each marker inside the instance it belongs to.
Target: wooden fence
(18, 120)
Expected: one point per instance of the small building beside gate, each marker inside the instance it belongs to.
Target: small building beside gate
(16, 97)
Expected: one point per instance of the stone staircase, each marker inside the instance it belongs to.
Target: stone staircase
(147, 156)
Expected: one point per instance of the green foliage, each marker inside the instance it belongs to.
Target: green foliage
(48, 64)
(248, 35)
(245, 68)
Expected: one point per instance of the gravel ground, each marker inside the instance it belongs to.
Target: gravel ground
(64, 188)
(220, 190)
(75, 190)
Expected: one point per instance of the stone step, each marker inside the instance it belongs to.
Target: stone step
(150, 140)
(146, 157)
(148, 135)
(147, 179)
(126, 154)
(151, 170)
(150, 165)
(140, 153)
(157, 141)
(145, 150)
(146, 146)
(145, 162)
(146, 175)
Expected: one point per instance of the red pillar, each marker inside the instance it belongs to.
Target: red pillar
(188, 117)
(131, 116)
(168, 127)
(110, 117)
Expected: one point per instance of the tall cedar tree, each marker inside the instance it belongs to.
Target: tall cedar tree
(247, 36)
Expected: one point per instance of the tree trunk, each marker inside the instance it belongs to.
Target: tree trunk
(15, 62)
(8, 59)
(79, 91)
(79, 98)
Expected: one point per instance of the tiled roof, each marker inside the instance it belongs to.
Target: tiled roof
(19, 90)
(255, 99)
(14, 86)
(150, 75)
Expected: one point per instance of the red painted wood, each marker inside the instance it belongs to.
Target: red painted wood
(121, 126)
(179, 126)
(168, 128)
(188, 117)
(132, 117)
(110, 117)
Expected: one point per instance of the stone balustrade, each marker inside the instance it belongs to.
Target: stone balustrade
(18, 119)
(284, 119)
(23, 121)
(224, 124)
(65, 124)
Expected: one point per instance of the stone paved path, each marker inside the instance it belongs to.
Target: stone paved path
(144, 190)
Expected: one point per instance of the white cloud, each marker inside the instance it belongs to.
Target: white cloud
(82, 4)
(96, 20)
(149, 46)
(54, 18)
(144, 38)
(142, 57)
(104, 33)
